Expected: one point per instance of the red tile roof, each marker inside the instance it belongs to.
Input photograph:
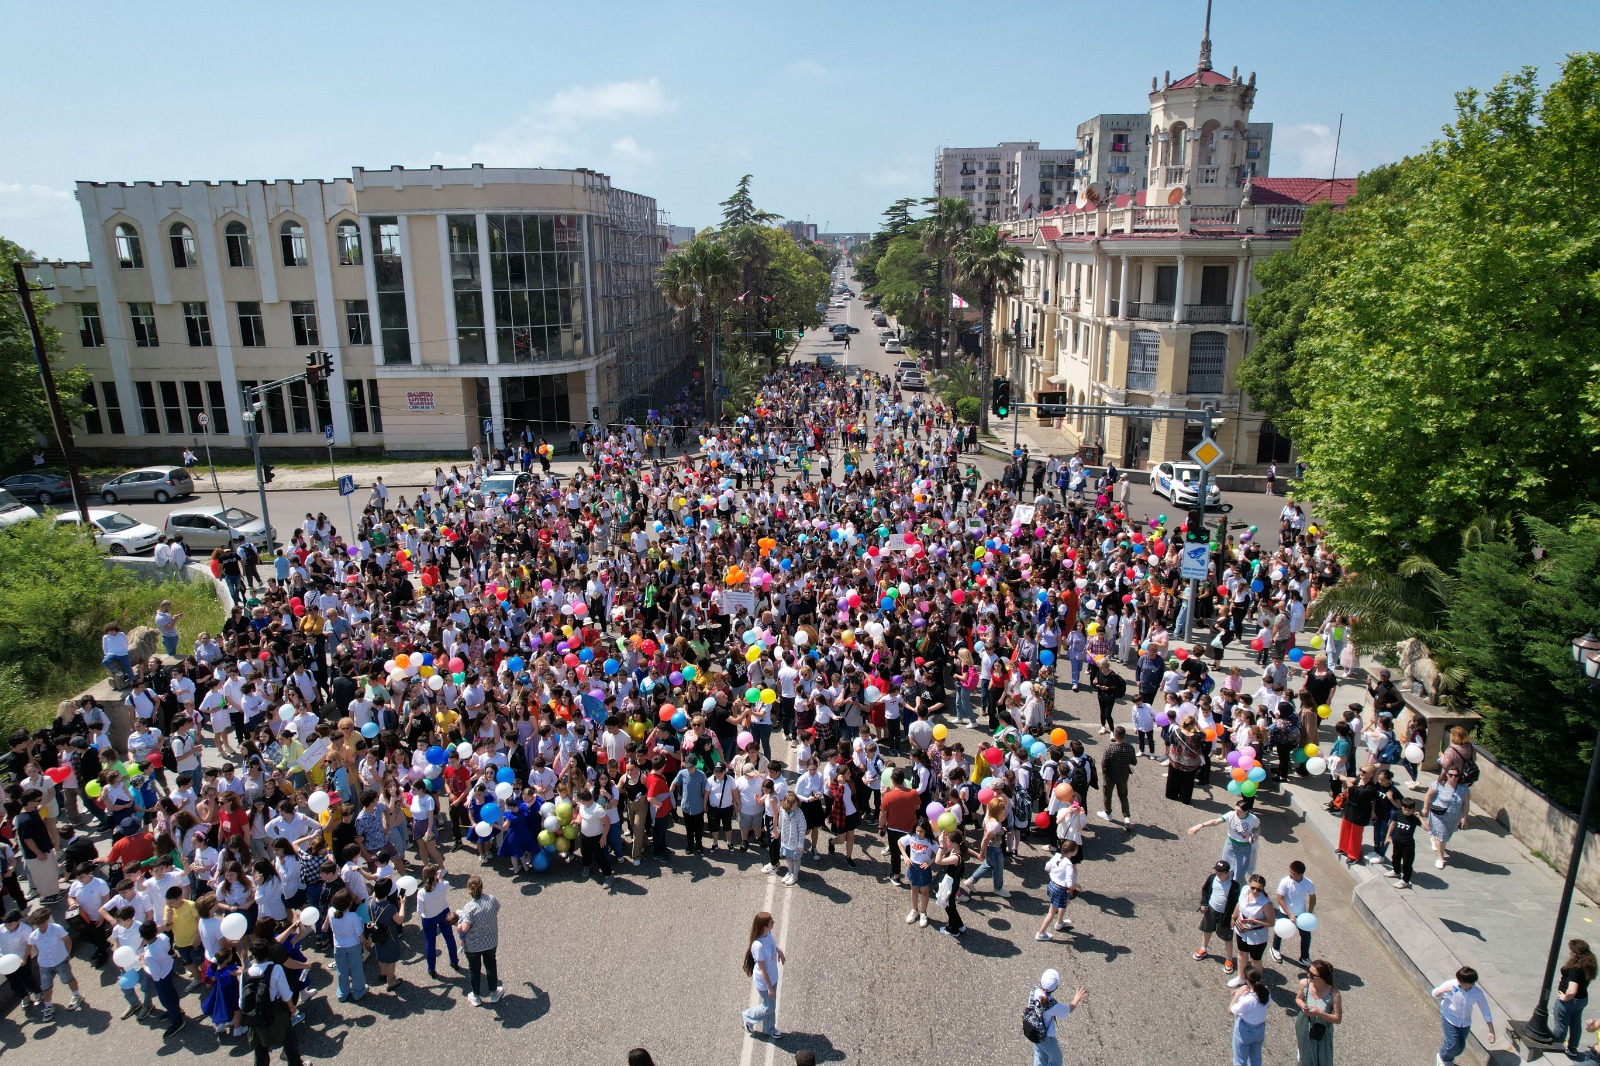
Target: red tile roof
(1301, 190)
(1204, 77)
(1049, 233)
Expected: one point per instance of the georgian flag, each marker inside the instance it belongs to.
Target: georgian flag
(957, 302)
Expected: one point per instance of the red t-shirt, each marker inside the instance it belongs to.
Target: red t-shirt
(131, 851)
(658, 790)
(900, 809)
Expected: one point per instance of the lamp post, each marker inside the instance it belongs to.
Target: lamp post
(1536, 1031)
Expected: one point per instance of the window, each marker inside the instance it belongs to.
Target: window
(91, 411)
(144, 325)
(1214, 285)
(1119, 142)
(147, 406)
(464, 273)
(277, 414)
(1271, 446)
(108, 389)
(1208, 355)
(252, 332)
(292, 235)
(357, 322)
(1166, 284)
(130, 256)
(323, 403)
(238, 241)
(356, 404)
(389, 272)
(304, 314)
(90, 332)
(299, 407)
(1144, 359)
(374, 415)
(170, 406)
(537, 273)
(348, 239)
(219, 407)
(198, 325)
(182, 238)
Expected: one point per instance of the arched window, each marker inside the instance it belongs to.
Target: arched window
(1178, 145)
(296, 252)
(130, 255)
(1272, 447)
(1206, 155)
(1208, 356)
(348, 237)
(237, 238)
(182, 238)
(1144, 359)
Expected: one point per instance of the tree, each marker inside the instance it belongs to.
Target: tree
(1512, 616)
(986, 261)
(947, 223)
(740, 210)
(24, 411)
(1447, 368)
(699, 279)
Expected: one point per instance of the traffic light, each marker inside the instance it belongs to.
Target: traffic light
(1001, 397)
(801, 333)
(1195, 527)
(266, 472)
(319, 367)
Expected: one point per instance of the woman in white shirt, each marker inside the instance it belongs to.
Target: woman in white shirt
(1249, 1010)
(1062, 869)
(433, 904)
(811, 791)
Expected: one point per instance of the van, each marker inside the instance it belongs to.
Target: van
(13, 510)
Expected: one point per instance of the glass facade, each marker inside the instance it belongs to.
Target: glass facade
(467, 283)
(539, 293)
(389, 270)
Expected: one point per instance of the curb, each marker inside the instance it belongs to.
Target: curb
(1410, 937)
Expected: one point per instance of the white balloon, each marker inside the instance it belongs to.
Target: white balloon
(431, 771)
(553, 824)
(1026, 688)
(873, 694)
(905, 590)
(436, 682)
(1414, 753)
(10, 964)
(1284, 928)
(406, 885)
(464, 750)
(286, 712)
(309, 916)
(801, 639)
(317, 801)
(126, 957)
(504, 791)
(235, 926)
(1316, 764)
(484, 830)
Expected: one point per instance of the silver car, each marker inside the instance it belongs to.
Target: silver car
(215, 526)
(158, 483)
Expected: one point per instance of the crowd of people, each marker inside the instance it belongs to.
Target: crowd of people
(592, 673)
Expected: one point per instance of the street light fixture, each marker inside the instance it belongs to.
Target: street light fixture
(1536, 1031)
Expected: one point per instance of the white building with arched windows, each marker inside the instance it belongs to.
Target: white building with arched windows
(449, 298)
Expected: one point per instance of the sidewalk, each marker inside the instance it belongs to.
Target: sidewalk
(397, 474)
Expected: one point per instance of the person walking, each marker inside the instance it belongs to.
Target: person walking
(433, 905)
(156, 960)
(1572, 994)
(791, 830)
(1458, 998)
(952, 860)
(1249, 1010)
(1296, 895)
(1359, 800)
(1116, 766)
(762, 956)
(1242, 837)
(1252, 924)
(1062, 871)
(993, 861)
(1047, 1011)
(266, 1005)
(1447, 812)
(479, 925)
(51, 948)
(1320, 1010)
(1219, 895)
(348, 931)
(1403, 837)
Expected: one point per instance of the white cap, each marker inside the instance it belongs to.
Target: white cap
(1049, 981)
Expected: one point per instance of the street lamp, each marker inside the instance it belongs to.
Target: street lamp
(1536, 1031)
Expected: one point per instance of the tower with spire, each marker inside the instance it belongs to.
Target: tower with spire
(1199, 132)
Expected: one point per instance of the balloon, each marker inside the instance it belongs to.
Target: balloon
(985, 795)
(958, 596)
(752, 653)
(1316, 641)
(570, 832)
(689, 673)
(309, 916)
(1058, 736)
(541, 861)
(286, 713)
(665, 714)
(1256, 774)
(744, 740)
(947, 822)
(1046, 657)
(406, 885)
(1042, 820)
(504, 791)
(490, 813)
(1163, 719)
(484, 830)
(92, 789)
(873, 695)
(1284, 928)
(941, 731)
(768, 696)
(611, 666)
(548, 836)
(994, 756)
(1247, 754)
(370, 730)
(933, 810)
(435, 683)
(1257, 644)
(1235, 787)
(1310, 750)
(1094, 627)
(456, 665)
(1413, 753)
(1306, 923)
(126, 957)
(1239, 773)
(1257, 586)
(1324, 710)
(235, 926)
(437, 756)
(516, 664)
(1316, 765)
(317, 801)
(680, 720)
(563, 845)
(1248, 789)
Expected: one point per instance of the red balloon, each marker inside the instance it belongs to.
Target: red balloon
(570, 659)
(994, 756)
(1181, 654)
(1042, 820)
(1257, 644)
(58, 774)
(666, 713)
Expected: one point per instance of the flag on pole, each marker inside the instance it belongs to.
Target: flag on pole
(739, 299)
(957, 302)
(766, 299)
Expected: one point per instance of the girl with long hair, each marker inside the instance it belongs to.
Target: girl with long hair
(761, 959)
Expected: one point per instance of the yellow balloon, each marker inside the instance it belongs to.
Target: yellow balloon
(1324, 711)
(1310, 750)
(768, 696)
(566, 631)
(636, 730)
(752, 653)
(848, 638)
(979, 552)
(940, 732)
(1094, 627)
(426, 671)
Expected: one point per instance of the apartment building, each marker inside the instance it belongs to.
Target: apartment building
(1013, 180)
(454, 302)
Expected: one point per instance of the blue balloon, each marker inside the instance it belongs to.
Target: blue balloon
(490, 813)
(427, 658)
(679, 720)
(1296, 654)
(436, 755)
(1256, 774)
(541, 862)
(989, 544)
(1004, 549)
(688, 520)
(1044, 597)
(1046, 656)
(785, 564)
(612, 666)
(887, 603)
(586, 655)
(515, 662)
(505, 776)
(977, 567)
(369, 730)
(1256, 586)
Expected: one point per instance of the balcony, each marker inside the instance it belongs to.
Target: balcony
(1252, 153)
(1206, 175)
(1118, 168)
(1113, 222)
(1176, 176)
(1207, 313)
(1151, 312)
(967, 172)
(968, 186)
(992, 168)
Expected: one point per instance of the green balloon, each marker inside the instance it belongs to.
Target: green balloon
(1247, 788)
(752, 695)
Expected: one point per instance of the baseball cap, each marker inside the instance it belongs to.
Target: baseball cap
(1050, 980)
(1222, 866)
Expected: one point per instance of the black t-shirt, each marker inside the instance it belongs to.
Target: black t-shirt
(1405, 827)
(344, 834)
(1358, 804)
(1574, 975)
(30, 827)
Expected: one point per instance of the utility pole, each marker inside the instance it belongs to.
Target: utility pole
(58, 418)
(205, 424)
(252, 418)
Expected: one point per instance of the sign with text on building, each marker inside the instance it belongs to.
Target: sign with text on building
(420, 400)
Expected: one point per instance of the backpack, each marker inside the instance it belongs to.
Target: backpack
(1469, 772)
(1392, 752)
(1089, 769)
(378, 927)
(256, 1005)
(1035, 1026)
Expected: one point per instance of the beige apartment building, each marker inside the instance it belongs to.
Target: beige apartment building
(453, 301)
(1138, 298)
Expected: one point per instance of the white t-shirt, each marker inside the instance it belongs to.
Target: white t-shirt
(1296, 894)
(763, 949)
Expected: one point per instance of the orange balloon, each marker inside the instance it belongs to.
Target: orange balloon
(1058, 736)
(1211, 732)
(1240, 774)
(1064, 792)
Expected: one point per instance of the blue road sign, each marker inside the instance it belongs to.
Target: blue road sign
(488, 427)
(327, 431)
(347, 485)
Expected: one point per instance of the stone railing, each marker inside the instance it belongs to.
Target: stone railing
(1109, 222)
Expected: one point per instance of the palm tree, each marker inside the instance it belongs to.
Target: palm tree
(942, 231)
(698, 279)
(985, 260)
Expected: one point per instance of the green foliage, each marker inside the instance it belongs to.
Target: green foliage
(1511, 619)
(968, 409)
(956, 380)
(740, 210)
(24, 413)
(1445, 365)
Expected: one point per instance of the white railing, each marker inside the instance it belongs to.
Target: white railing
(1175, 176)
(1285, 216)
(1206, 176)
(1214, 217)
(1183, 219)
(1155, 218)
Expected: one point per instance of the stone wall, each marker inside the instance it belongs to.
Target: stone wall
(1541, 825)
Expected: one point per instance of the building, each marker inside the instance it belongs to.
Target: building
(1012, 180)
(802, 232)
(1114, 151)
(676, 235)
(1138, 297)
(448, 298)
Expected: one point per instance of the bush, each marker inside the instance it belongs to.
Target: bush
(969, 409)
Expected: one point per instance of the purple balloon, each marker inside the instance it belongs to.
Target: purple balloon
(352, 551)
(1163, 719)
(563, 647)
(1233, 758)
(676, 677)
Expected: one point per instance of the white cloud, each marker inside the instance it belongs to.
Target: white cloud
(42, 219)
(556, 132)
(1308, 148)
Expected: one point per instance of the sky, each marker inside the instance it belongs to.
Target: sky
(836, 108)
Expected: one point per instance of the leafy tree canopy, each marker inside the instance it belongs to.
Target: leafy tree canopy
(24, 413)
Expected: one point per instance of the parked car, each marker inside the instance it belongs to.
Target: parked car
(158, 483)
(506, 483)
(880, 319)
(838, 303)
(1180, 483)
(115, 531)
(38, 486)
(214, 526)
(13, 510)
(905, 366)
(913, 381)
(893, 347)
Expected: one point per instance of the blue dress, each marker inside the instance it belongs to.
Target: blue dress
(222, 998)
(519, 839)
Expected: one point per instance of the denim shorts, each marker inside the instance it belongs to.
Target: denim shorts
(919, 876)
(48, 975)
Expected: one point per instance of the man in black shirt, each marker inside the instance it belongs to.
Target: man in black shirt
(33, 841)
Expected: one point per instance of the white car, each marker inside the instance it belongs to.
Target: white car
(1180, 483)
(13, 510)
(838, 303)
(903, 367)
(913, 381)
(893, 347)
(115, 531)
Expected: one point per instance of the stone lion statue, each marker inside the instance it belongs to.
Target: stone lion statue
(1417, 667)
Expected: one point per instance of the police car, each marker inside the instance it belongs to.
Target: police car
(1180, 483)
